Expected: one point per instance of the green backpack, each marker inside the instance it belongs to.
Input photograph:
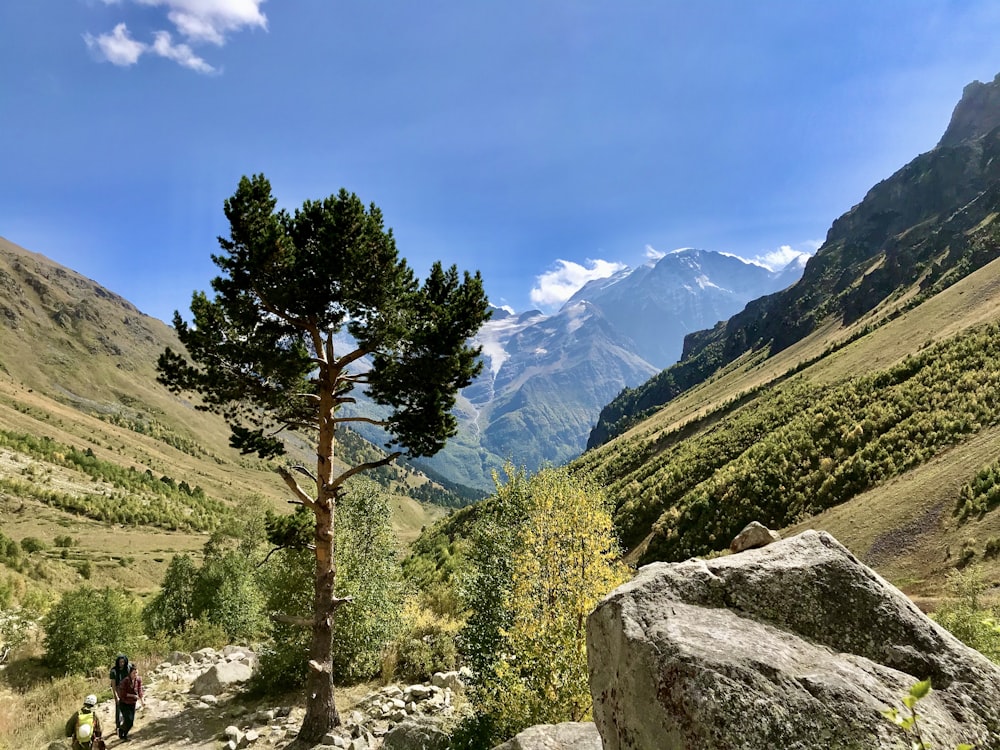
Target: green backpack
(85, 728)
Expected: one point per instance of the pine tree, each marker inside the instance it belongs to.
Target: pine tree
(266, 354)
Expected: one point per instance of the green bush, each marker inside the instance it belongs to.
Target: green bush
(87, 627)
(427, 644)
(85, 569)
(171, 609)
(966, 618)
(367, 571)
(32, 544)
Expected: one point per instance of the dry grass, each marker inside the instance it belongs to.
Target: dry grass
(34, 704)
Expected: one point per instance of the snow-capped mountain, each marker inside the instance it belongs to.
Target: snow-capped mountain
(684, 291)
(546, 377)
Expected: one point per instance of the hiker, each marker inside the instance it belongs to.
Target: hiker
(129, 694)
(85, 728)
(118, 673)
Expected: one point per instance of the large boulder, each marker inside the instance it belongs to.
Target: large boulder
(221, 677)
(796, 645)
(417, 735)
(570, 735)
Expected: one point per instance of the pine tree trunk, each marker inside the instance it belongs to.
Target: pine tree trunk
(321, 709)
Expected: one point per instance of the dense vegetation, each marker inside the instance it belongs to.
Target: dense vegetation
(800, 448)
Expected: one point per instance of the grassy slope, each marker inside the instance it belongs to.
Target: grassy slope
(72, 353)
(904, 526)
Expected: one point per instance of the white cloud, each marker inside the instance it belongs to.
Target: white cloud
(179, 53)
(197, 21)
(116, 47)
(775, 260)
(558, 285)
(653, 254)
(210, 20)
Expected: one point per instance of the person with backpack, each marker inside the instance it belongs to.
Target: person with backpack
(118, 673)
(130, 692)
(84, 727)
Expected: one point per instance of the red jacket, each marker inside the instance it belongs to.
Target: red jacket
(130, 689)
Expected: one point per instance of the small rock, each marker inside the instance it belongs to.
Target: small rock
(754, 535)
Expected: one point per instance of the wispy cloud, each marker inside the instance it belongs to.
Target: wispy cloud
(195, 21)
(775, 260)
(558, 285)
(179, 53)
(653, 254)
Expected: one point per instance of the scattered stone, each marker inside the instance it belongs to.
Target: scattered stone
(220, 677)
(452, 680)
(179, 657)
(210, 699)
(204, 655)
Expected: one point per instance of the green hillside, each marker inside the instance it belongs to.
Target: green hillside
(93, 448)
(829, 430)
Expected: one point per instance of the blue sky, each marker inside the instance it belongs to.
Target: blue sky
(540, 142)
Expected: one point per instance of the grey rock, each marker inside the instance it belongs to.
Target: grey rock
(452, 680)
(204, 655)
(796, 645)
(219, 677)
(179, 657)
(416, 735)
(754, 534)
(570, 735)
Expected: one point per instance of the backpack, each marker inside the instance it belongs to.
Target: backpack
(85, 728)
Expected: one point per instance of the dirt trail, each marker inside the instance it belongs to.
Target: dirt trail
(166, 721)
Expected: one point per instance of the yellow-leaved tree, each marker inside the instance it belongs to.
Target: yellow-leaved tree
(550, 555)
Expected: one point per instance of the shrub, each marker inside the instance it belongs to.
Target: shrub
(366, 570)
(545, 553)
(427, 644)
(965, 616)
(85, 569)
(171, 609)
(87, 627)
(32, 544)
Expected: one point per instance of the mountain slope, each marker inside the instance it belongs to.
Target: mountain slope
(921, 229)
(547, 377)
(876, 411)
(91, 443)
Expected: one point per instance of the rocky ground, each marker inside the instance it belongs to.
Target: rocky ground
(193, 701)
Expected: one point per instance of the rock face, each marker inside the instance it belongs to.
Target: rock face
(976, 114)
(570, 735)
(796, 645)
